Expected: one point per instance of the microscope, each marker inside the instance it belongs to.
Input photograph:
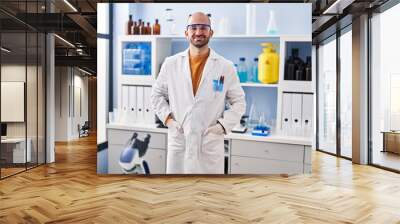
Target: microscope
(131, 159)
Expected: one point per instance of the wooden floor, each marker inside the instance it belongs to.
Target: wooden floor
(70, 191)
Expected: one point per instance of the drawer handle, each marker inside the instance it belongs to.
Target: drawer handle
(132, 109)
(295, 120)
(286, 120)
(266, 151)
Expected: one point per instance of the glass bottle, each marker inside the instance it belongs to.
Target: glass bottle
(242, 70)
(308, 69)
(141, 28)
(130, 24)
(136, 28)
(148, 29)
(298, 64)
(156, 28)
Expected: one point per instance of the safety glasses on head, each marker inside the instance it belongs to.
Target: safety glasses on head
(201, 27)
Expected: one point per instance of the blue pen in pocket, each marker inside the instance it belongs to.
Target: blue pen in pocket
(218, 84)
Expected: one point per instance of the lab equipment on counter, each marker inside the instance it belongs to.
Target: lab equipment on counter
(268, 65)
(272, 28)
(132, 159)
(261, 129)
(242, 70)
(241, 127)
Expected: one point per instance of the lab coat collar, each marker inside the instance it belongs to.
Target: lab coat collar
(206, 71)
(213, 54)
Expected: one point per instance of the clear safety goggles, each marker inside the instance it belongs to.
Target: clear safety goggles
(201, 27)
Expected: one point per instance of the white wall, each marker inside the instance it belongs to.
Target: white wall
(68, 82)
(102, 71)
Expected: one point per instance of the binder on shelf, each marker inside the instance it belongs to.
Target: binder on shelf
(132, 103)
(307, 114)
(286, 122)
(296, 113)
(125, 98)
(140, 104)
(148, 112)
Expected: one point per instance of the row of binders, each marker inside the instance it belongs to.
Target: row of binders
(297, 114)
(136, 102)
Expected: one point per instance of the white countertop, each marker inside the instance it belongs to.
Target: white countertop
(296, 140)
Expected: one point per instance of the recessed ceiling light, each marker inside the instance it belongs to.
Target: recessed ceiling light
(64, 40)
(70, 5)
(84, 71)
(5, 50)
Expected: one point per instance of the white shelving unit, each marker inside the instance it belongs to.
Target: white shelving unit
(250, 84)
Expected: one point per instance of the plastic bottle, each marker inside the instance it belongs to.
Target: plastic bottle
(156, 28)
(130, 24)
(268, 65)
(253, 71)
(242, 70)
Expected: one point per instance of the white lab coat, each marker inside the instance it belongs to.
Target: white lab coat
(192, 151)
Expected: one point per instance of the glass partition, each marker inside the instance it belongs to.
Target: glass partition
(385, 89)
(346, 93)
(22, 76)
(327, 96)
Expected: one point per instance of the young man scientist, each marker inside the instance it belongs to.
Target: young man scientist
(189, 97)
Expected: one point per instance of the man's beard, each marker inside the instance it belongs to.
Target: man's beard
(200, 44)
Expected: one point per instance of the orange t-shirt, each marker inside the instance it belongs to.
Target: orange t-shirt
(197, 64)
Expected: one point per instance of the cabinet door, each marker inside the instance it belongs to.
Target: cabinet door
(114, 153)
(155, 158)
(268, 150)
(247, 165)
(121, 137)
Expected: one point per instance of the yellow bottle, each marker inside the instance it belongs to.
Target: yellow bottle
(268, 65)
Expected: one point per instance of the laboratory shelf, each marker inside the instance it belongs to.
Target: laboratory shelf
(238, 36)
(249, 84)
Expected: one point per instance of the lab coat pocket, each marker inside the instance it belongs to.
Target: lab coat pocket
(176, 140)
(213, 144)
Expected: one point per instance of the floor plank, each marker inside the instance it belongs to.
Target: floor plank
(70, 191)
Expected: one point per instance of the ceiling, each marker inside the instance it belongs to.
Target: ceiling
(76, 22)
